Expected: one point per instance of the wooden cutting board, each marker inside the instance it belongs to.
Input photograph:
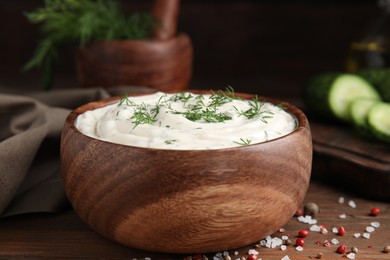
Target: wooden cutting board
(343, 157)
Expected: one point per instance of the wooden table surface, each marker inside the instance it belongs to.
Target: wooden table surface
(65, 236)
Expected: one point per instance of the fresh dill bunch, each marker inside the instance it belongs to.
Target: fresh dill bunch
(65, 22)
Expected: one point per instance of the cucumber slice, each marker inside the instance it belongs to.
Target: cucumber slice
(378, 120)
(344, 90)
(380, 79)
(331, 94)
(358, 111)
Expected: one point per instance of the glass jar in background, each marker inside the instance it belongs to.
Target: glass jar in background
(373, 49)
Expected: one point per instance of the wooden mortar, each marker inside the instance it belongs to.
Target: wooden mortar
(163, 62)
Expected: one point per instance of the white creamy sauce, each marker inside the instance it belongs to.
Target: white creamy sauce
(186, 121)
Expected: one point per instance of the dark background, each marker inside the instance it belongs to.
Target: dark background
(264, 47)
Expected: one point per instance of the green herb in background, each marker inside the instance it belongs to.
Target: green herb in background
(66, 22)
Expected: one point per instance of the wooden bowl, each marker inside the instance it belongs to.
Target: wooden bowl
(164, 65)
(186, 201)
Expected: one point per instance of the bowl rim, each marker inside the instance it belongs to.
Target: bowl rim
(300, 118)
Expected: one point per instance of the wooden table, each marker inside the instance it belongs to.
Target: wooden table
(65, 236)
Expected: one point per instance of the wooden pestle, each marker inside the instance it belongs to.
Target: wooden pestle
(166, 12)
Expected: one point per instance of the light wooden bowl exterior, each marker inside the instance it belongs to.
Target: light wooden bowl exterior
(186, 201)
(164, 65)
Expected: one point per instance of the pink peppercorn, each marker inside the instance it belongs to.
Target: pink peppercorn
(303, 233)
(341, 249)
(375, 212)
(341, 231)
(299, 212)
(252, 257)
(299, 242)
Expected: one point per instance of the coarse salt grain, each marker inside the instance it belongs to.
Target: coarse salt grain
(236, 252)
(299, 248)
(352, 204)
(343, 216)
(307, 219)
(357, 235)
(366, 235)
(341, 200)
(334, 241)
(375, 224)
(284, 237)
(276, 242)
(335, 230)
(351, 255)
(370, 229)
(283, 247)
(315, 228)
(323, 231)
(286, 257)
(253, 252)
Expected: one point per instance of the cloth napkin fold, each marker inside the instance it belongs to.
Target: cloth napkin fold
(30, 130)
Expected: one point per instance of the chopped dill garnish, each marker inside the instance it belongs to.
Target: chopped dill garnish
(207, 114)
(181, 96)
(142, 115)
(243, 142)
(170, 141)
(196, 107)
(266, 135)
(255, 110)
(125, 100)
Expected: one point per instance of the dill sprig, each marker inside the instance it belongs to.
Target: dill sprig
(201, 110)
(125, 100)
(243, 142)
(65, 22)
(255, 110)
(143, 115)
(209, 115)
(181, 96)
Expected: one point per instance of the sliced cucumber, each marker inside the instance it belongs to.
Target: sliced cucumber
(331, 94)
(380, 79)
(378, 120)
(344, 90)
(358, 111)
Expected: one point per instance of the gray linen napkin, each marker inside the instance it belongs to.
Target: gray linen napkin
(30, 130)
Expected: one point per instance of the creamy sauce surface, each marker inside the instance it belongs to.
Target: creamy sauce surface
(186, 121)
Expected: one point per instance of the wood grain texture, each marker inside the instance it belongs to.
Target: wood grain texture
(167, 13)
(345, 158)
(164, 65)
(188, 201)
(65, 236)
